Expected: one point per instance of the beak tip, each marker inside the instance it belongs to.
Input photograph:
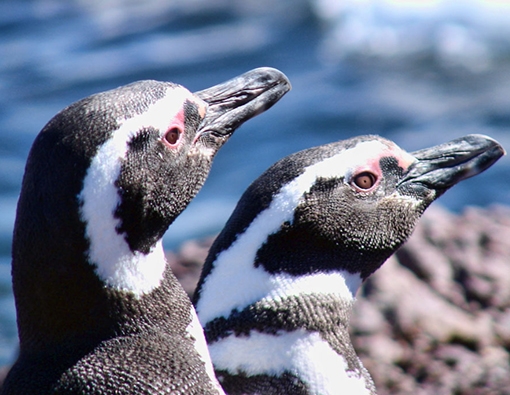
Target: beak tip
(445, 165)
(271, 74)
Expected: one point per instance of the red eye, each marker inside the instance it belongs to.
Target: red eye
(365, 180)
(172, 135)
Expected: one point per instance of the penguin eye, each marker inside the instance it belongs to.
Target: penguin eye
(365, 180)
(172, 135)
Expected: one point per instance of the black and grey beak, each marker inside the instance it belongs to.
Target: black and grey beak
(439, 168)
(234, 102)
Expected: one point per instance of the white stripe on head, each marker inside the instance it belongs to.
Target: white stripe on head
(196, 332)
(302, 353)
(235, 283)
(114, 262)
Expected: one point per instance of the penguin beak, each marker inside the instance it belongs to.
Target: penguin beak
(440, 167)
(232, 103)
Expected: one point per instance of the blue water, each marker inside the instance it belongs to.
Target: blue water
(419, 73)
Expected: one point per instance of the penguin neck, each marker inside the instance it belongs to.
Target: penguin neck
(291, 328)
(68, 321)
(244, 285)
(73, 283)
(245, 271)
(61, 299)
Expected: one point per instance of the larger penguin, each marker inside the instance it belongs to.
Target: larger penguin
(99, 310)
(280, 281)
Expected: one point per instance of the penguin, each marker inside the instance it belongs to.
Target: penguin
(99, 310)
(279, 283)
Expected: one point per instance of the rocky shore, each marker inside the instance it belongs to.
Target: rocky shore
(435, 319)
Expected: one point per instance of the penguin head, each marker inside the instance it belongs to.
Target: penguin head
(106, 177)
(347, 205)
(156, 160)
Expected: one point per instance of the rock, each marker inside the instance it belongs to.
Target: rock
(446, 298)
(187, 262)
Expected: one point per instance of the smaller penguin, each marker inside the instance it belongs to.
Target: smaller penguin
(279, 283)
(99, 310)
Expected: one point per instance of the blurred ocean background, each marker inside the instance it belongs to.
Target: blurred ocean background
(417, 72)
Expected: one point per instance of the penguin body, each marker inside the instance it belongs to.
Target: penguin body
(99, 310)
(280, 281)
